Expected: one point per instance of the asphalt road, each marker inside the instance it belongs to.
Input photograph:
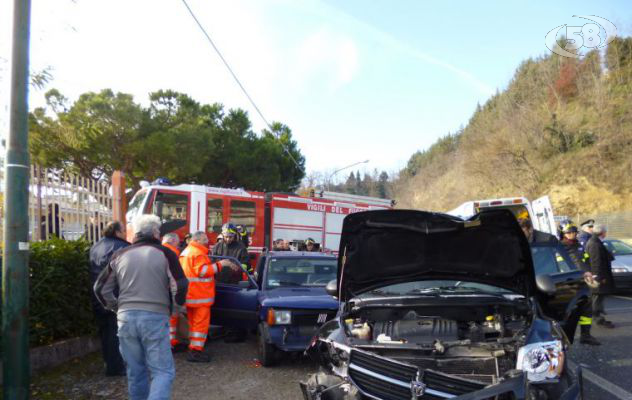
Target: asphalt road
(608, 368)
(234, 373)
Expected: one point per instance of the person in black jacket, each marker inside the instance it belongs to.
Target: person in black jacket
(100, 255)
(574, 249)
(535, 236)
(231, 245)
(600, 260)
(586, 233)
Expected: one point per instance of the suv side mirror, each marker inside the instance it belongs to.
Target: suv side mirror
(332, 288)
(244, 284)
(545, 284)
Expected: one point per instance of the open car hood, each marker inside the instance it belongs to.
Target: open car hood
(384, 247)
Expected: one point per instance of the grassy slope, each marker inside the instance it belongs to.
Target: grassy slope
(563, 127)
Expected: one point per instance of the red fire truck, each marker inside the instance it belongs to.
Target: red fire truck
(266, 216)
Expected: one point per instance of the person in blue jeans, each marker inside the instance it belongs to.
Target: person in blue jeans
(150, 280)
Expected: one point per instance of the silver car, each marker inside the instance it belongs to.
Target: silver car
(622, 264)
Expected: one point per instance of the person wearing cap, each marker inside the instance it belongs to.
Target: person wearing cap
(600, 260)
(572, 246)
(586, 233)
(310, 245)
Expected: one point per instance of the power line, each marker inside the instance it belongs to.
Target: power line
(243, 89)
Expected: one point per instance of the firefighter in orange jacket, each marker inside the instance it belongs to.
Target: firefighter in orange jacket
(200, 272)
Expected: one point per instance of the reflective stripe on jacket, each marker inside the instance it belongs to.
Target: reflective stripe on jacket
(199, 271)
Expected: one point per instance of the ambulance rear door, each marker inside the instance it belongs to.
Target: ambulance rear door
(543, 218)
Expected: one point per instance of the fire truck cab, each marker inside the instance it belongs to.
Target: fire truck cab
(267, 216)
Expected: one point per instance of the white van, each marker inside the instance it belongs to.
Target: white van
(539, 211)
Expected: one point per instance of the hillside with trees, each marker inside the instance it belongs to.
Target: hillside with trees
(173, 137)
(562, 127)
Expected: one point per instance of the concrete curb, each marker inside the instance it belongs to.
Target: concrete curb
(60, 352)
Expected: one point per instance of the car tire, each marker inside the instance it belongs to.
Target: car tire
(268, 354)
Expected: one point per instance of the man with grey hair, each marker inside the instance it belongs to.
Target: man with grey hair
(149, 280)
(600, 260)
(171, 241)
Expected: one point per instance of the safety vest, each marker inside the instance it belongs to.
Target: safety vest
(199, 271)
(170, 247)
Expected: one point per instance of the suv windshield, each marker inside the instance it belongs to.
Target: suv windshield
(298, 271)
(434, 287)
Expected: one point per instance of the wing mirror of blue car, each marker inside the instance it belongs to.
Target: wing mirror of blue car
(244, 284)
(545, 284)
(332, 288)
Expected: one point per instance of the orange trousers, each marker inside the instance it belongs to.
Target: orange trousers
(199, 321)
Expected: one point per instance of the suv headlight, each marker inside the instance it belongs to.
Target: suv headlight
(620, 270)
(544, 360)
(279, 317)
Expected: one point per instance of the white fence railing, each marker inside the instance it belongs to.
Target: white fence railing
(66, 205)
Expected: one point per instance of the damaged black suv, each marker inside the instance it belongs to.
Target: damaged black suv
(435, 307)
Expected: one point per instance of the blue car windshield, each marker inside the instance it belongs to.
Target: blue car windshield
(298, 271)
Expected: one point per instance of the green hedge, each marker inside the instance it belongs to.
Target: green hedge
(60, 306)
(59, 287)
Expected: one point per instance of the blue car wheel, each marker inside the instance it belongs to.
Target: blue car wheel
(268, 354)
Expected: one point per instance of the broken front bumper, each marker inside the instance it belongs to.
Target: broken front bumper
(324, 386)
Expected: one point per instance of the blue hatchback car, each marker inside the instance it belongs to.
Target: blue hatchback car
(285, 301)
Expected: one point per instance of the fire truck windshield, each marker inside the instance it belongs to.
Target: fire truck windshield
(136, 203)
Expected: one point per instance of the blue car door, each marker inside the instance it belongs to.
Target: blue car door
(236, 304)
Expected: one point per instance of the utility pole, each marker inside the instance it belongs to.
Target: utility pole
(15, 274)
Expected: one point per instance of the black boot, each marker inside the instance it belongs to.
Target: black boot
(198, 356)
(605, 323)
(586, 338)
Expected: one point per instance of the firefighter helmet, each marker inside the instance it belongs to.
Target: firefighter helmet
(229, 229)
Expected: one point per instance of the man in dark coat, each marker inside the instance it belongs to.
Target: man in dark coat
(600, 260)
(586, 233)
(231, 245)
(534, 236)
(100, 254)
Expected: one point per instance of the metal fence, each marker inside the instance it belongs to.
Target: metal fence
(66, 205)
(619, 224)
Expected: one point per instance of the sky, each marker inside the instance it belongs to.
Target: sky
(354, 80)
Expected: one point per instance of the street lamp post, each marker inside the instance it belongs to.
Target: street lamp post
(342, 169)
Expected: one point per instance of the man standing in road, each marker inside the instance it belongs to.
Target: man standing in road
(535, 236)
(231, 246)
(600, 260)
(149, 280)
(171, 241)
(572, 246)
(586, 233)
(100, 255)
(310, 245)
(200, 272)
